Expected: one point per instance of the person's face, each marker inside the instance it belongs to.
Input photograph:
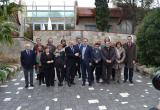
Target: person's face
(40, 48)
(78, 41)
(129, 39)
(59, 47)
(118, 45)
(47, 50)
(50, 41)
(108, 44)
(28, 46)
(38, 41)
(85, 42)
(96, 46)
(64, 42)
(71, 43)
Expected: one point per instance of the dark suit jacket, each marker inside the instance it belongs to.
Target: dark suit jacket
(87, 55)
(130, 55)
(44, 58)
(70, 55)
(96, 53)
(108, 54)
(27, 61)
(78, 48)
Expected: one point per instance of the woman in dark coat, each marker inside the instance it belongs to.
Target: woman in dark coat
(60, 63)
(47, 60)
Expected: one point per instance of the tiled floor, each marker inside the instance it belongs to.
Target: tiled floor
(138, 96)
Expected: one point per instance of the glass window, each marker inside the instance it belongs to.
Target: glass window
(46, 26)
(57, 14)
(60, 27)
(69, 14)
(90, 27)
(37, 27)
(31, 14)
(42, 14)
(69, 26)
(54, 27)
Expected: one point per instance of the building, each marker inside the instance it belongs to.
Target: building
(64, 17)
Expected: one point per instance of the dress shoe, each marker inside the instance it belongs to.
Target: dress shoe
(124, 81)
(26, 86)
(73, 83)
(90, 84)
(131, 82)
(69, 84)
(60, 84)
(83, 84)
(32, 85)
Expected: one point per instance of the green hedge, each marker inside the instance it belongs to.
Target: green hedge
(148, 39)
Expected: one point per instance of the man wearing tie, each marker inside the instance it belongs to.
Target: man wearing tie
(78, 46)
(86, 62)
(130, 59)
(28, 61)
(71, 55)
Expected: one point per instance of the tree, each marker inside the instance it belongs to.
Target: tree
(102, 15)
(7, 27)
(148, 39)
(6, 30)
(136, 12)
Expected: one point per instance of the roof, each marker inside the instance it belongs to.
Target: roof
(88, 12)
(91, 12)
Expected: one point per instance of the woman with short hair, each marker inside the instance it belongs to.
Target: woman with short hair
(119, 62)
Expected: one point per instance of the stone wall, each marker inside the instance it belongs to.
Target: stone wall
(12, 52)
(93, 36)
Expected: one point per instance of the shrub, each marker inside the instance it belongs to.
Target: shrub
(148, 39)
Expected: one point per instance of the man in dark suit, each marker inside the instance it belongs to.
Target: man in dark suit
(108, 56)
(78, 46)
(130, 59)
(28, 61)
(97, 61)
(71, 55)
(86, 62)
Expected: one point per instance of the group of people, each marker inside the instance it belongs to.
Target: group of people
(101, 60)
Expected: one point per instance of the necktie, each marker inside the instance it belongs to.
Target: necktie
(72, 49)
(28, 52)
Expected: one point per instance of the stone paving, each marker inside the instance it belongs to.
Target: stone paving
(125, 96)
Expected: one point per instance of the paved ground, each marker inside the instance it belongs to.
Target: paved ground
(139, 96)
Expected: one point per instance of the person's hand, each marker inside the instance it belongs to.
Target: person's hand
(109, 61)
(90, 64)
(64, 66)
(76, 64)
(51, 61)
(76, 54)
(48, 62)
(96, 61)
(134, 61)
(118, 61)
